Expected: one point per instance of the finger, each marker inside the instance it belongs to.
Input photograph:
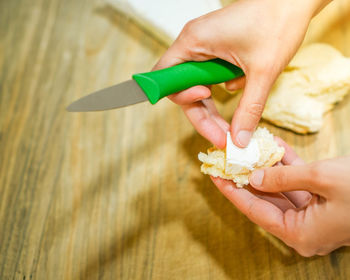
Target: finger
(179, 52)
(290, 156)
(173, 56)
(210, 105)
(235, 84)
(250, 109)
(190, 95)
(289, 178)
(209, 124)
(299, 198)
(168, 60)
(259, 211)
(277, 199)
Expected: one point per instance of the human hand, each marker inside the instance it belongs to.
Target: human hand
(314, 225)
(259, 36)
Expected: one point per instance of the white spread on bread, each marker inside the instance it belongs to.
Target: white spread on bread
(237, 164)
(238, 159)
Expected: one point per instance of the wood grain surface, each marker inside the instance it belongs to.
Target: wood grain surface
(118, 194)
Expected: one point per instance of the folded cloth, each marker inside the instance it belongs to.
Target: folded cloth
(164, 19)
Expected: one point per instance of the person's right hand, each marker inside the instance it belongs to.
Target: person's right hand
(259, 36)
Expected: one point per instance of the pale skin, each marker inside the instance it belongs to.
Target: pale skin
(305, 205)
(317, 221)
(252, 35)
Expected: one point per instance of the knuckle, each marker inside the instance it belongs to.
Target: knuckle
(174, 98)
(315, 173)
(203, 121)
(306, 252)
(300, 239)
(255, 110)
(251, 203)
(305, 200)
(192, 37)
(267, 64)
(189, 26)
(302, 243)
(288, 234)
(262, 66)
(273, 227)
(280, 179)
(191, 30)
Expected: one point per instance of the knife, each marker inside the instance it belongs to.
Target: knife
(153, 86)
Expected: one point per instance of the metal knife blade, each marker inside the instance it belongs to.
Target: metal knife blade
(123, 94)
(155, 85)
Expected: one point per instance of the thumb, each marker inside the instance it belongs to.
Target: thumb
(290, 178)
(250, 108)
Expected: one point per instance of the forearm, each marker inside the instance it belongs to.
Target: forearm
(305, 8)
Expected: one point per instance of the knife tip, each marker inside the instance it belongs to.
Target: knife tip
(68, 109)
(75, 107)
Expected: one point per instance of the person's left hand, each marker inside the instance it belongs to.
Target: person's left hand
(313, 222)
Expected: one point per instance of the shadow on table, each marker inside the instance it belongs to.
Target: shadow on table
(237, 245)
(229, 238)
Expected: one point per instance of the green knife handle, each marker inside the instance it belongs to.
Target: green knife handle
(161, 83)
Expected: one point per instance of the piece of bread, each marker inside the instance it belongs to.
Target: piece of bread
(216, 164)
(316, 79)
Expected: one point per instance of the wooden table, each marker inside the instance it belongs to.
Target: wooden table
(118, 194)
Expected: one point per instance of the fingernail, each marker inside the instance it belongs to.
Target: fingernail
(257, 178)
(243, 137)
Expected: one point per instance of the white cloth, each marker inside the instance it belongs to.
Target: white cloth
(164, 18)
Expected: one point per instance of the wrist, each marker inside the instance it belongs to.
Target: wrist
(313, 6)
(301, 8)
